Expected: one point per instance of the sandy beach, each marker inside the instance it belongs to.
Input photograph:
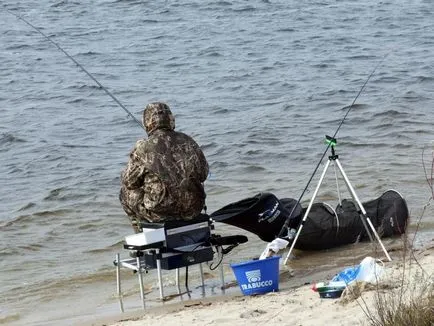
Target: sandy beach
(294, 305)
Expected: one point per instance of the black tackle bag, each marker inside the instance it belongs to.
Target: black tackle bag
(388, 213)
(263, 214)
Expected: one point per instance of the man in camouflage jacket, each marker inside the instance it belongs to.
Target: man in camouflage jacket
(164, 176)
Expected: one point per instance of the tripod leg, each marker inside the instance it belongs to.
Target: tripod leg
(307, 212)
(355, 198)
(337, 185)
(362, 209)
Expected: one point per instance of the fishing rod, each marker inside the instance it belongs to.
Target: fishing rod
(78, 64)
(284, 230)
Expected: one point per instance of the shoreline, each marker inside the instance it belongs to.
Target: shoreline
(295, 303)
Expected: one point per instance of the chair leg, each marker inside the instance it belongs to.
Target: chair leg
(160, 280)
(118, 281)
(222, 277)
(177, 281)
(202, 279)
(142, 290)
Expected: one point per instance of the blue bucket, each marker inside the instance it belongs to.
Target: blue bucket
(258, 276)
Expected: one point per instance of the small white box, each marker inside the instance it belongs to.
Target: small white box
(148, 236)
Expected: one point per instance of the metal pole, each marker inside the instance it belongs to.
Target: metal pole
(160, 280)
(353, 193)
(177, 281)
(202, 279)
(222, 273)
(118, 281)
(337, 185)
(307, 212)
(355, 198)
(142, 290)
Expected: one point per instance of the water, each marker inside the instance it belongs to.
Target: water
(257, 83)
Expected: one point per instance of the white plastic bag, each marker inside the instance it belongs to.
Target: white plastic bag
(371, 270)
(274, 247)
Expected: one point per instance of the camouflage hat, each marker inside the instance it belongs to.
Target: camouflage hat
(158, 116)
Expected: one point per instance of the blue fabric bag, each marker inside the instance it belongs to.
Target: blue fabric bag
(348, 275)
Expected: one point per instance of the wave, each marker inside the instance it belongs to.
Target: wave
(425, 79)
(65, 3)
(90, 53)
(55, 194)
(18, 47)
(220, 111)
(78, 146)
(8, 138)
(390, 114)
(33, 217)
(287, 29)
(253, 168)
(245, 9)
(106, 249)
(49, 289)
(8, 318)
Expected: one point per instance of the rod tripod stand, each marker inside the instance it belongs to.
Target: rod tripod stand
(334, 158)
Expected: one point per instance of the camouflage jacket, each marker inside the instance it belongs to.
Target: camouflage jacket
(164, 176)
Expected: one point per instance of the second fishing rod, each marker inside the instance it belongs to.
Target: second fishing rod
(286, 232)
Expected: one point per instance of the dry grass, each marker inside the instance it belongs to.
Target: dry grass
(411, 302)
(405, 296)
